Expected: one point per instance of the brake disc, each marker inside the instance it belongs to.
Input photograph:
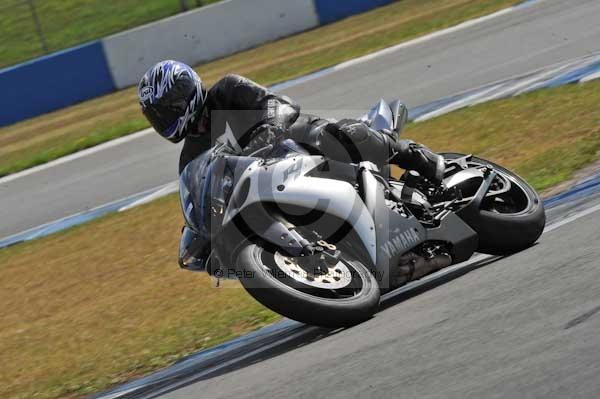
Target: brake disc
(334, 277)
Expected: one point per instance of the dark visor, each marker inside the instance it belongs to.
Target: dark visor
(161, 118)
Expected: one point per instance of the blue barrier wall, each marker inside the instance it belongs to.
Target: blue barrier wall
(53, 82)
(94, 69)
(333, 10)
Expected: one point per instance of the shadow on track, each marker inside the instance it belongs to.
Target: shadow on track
(420, 286)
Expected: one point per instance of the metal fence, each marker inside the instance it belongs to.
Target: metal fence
(31, 28)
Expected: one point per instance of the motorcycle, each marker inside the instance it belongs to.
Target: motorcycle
(319, 241)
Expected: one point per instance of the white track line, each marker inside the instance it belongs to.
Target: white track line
(166, 190)
(572, 218)
(590, 77)
(463, 102)
(49, 224)
(281, 86)
(585, 62)
(525, 83)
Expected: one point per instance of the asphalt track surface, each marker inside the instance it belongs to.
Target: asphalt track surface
(536, 36)
(525, 326)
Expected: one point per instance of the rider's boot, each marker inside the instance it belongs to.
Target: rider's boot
(412, 156)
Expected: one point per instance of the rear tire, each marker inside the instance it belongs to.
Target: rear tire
(501, 233)
(279, 295)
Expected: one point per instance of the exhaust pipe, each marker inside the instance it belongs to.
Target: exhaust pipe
(413, 267)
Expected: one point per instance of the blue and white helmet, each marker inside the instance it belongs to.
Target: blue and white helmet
(172, 97)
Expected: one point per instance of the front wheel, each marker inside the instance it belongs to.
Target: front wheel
(342, 293)
(508, 222)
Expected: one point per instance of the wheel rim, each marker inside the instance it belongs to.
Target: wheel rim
(351, 283)
(506, 195)
(515, 200)
(512, 202)
(333, 277)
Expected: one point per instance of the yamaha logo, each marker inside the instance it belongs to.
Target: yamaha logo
(400, 242)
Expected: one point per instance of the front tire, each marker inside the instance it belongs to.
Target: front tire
(261, 277)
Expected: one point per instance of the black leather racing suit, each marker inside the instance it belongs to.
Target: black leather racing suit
(255, 117)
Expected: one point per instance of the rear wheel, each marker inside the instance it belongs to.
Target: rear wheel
(510, 221)
(341, 293)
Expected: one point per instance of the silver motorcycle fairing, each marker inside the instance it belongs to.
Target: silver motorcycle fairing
(285, 182)
(396, 234)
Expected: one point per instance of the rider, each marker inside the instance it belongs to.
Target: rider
(177, 105)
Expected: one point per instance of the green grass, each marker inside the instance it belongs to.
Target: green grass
(105, 302)
(47, 137)
(65, 23)
(545, 136)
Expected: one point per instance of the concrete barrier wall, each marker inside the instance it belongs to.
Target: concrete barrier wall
(333, 10)
(53, 82)
(206, 34)
(91, 70)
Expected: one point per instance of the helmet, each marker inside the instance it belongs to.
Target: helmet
(172, 96)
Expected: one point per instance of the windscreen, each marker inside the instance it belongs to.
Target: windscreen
(206, 187)
(194, 183)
